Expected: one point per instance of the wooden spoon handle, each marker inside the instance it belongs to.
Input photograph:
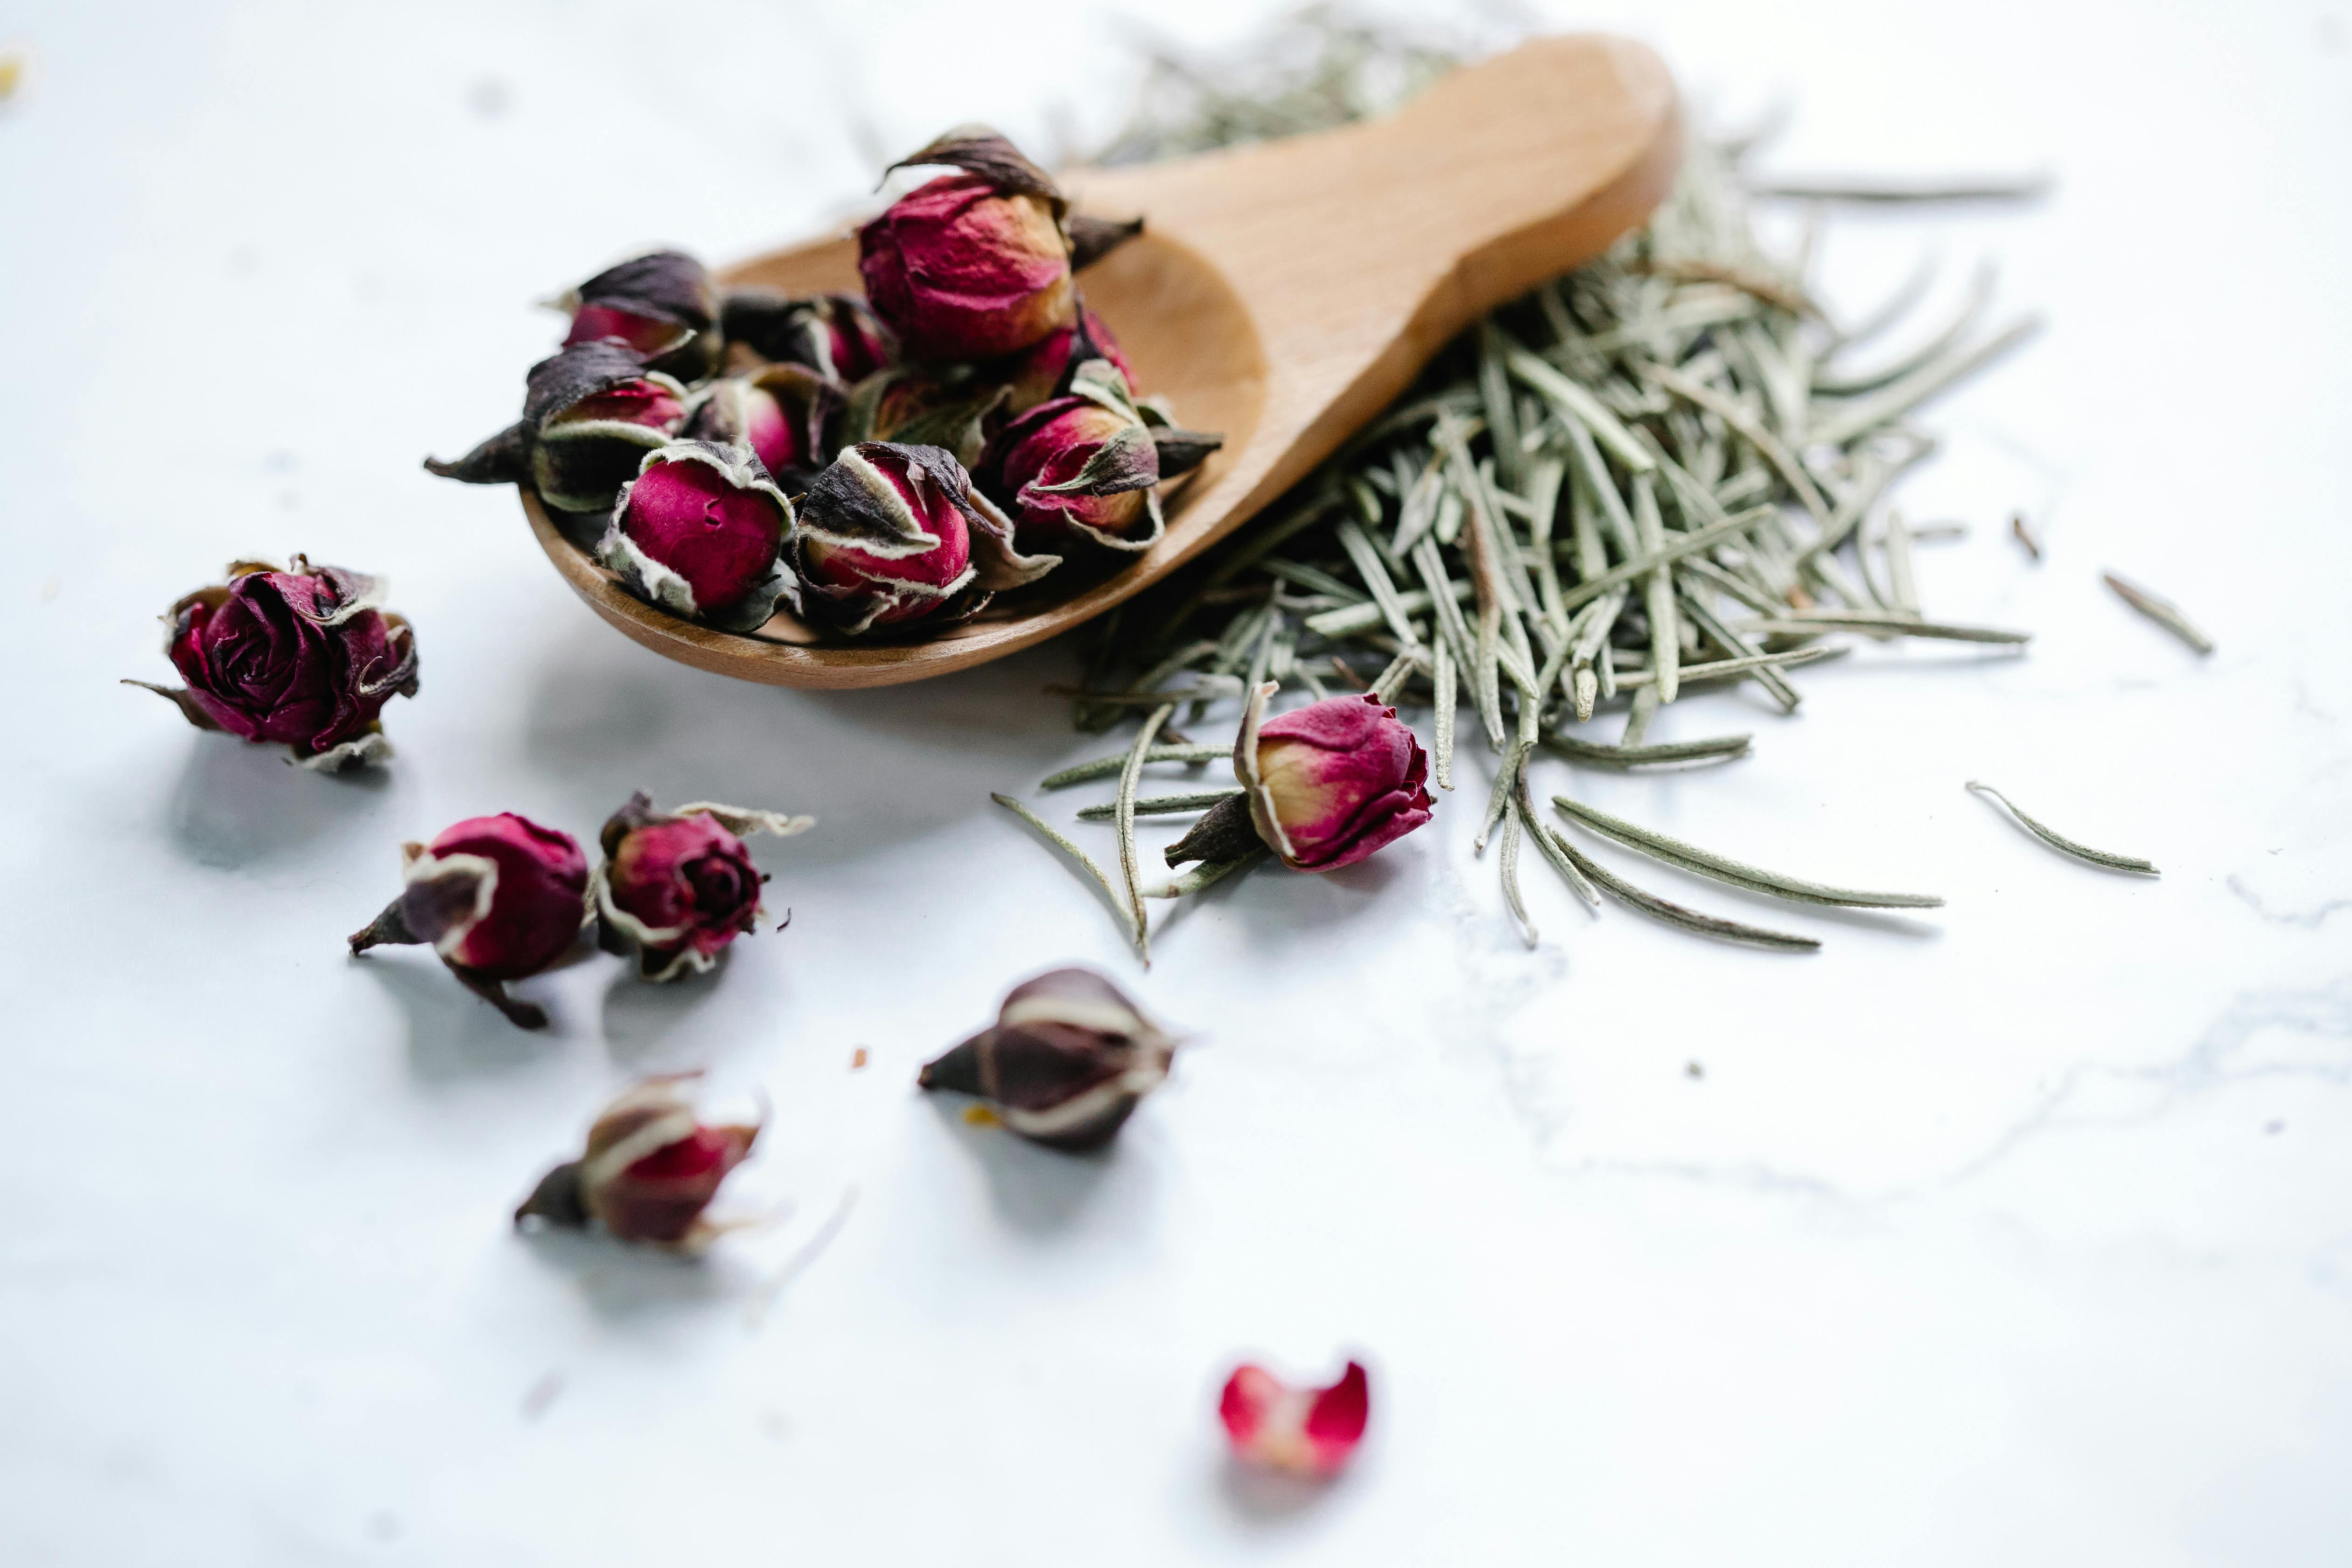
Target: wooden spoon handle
(1358, 252)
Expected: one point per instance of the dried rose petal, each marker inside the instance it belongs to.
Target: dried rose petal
(301, 657)
(649, 1170)
(660, 307)
(1305, 1431)
(892, 534)
(1323, 785)
(1065, 1062)
(677, 887)
(700, 533)
(499, 898)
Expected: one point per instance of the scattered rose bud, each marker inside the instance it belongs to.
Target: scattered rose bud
(779, 411)
(836, 335)
(1303, 1431)
(589, 414)
(1065, 1062)
(660, 307)
(971, 266)
(302, 657)
(1039, 372)
(1322, 787)
(892, 534)
(701, 532)
(677, 887)
(648, 1171)
(499, 898)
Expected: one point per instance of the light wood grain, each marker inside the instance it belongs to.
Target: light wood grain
(1283, 294)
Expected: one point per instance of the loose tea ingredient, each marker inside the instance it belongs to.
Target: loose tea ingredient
(1065, 1063)
(676, 887)
(2162, 611)
(2063, 844)
(648, 1171)
(1311, 1432)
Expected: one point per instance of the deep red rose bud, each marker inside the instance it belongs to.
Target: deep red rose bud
(660, 307)
(780, 411)
(589, 414)
(302, 657)
(677, 887)
(1041, 371)
(974, 265)
(1322, 787)
(1065, 1062)
(649, 1170)
(892, 534)
(1310, 1432)
(836, 335)
(701, 532)
(499, 898)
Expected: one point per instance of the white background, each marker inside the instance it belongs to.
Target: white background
(2019, 1233)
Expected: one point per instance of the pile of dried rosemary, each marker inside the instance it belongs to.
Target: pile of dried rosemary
(1656, 471)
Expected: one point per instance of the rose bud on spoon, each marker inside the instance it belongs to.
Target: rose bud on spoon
(301, 657)
(499, 898)
(649, 1170)
(836, 335)
(677, 887)
(782, 412)
(589, 414)
(701, 532)
(660, 307)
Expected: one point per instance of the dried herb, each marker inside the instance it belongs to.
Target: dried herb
(2063, 844)
(2163, 612)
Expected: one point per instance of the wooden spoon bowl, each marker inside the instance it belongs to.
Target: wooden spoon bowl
(1283, 294)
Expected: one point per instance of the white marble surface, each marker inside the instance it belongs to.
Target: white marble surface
(2020, 1233)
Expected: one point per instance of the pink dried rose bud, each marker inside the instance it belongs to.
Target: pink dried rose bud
(660, 307)
(677, 887)
(836, 335)
(1322, 787)
(649, 1170)
(499, 898)
(589, 414)
(1065, 1062)
(300, 656)
(894, 534)
(1041, 371)
(701, 532)
(1310, 1432)
(782, 412)
(974, 265)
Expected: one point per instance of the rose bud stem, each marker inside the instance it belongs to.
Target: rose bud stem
(1065, 1063)
(676, 887)
(1324, 785)
(301, 657)
(649, 1170)
(497, 898)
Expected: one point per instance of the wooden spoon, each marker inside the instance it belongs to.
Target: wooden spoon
(1281, 293)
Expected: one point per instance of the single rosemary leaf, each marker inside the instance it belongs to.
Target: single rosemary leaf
(2064, 845)
(2030, 187)
(2163, 612)
(1117, 905)
(1600, 755)
(1658, 596)
(1579, 404)
(1884, 406)
(1725, 669)
(1523, 806)
(1367, 562)
(1447, 697)
(1110, 767)
(1674, 914)
(1160, 805)
(1637, 717)
(1202, 875)
(1937, 343)
(1736, 647)
(1723, 869)
(1813, 623)
(1510, 872)
(1125, 809)
(1506, 779)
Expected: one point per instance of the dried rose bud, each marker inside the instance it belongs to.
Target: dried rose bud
(1305, 1431)
(659, 306)
(1083, 464)
(779, 411)
(648, 1171)
(952, 409)
(589, 414)
(499, 898)
(677, 887)
(1065, 1062)
(301, 657)
(1322, 787)
(894, 534)
(836, 335)
(699, 532)
(975, 265)
(1039, 372)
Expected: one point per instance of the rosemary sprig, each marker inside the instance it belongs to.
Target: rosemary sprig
(1112, 766)
(1160, 805)
(2064, 845)
(1739, 873)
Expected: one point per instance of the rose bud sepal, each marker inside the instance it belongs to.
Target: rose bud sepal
(649, 1170)
(677, 887)
(660, 306)
(496, 898)
(782, 412)
(892, 534)
(701, 532)
(1324, 785)
(303, 656)
(1065, 1063)
(1308, 1432)
(1092, 238)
